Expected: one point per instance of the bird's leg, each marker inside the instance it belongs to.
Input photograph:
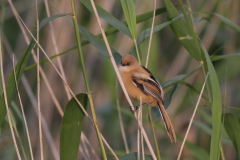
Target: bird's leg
(133, 110)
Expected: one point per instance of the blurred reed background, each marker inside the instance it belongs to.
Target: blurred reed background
(168, 59)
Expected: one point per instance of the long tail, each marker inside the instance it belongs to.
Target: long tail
(167, 122)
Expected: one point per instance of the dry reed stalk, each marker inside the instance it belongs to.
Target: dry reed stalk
(24, 117)
(121, 122)
(56, 49)
(190, 123)
(34, 103)
(6, 100)
(38, 90)
(119, 77)
(150, 40)
(35, 59)
(90, 146)
(84, 111)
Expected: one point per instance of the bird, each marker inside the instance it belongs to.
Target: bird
(139, 82)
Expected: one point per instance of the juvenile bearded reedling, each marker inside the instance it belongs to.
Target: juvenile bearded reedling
(140, 82)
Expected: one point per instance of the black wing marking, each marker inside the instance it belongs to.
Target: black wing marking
(151, 76)
(154, 82)
(140, 86)
(154, 93)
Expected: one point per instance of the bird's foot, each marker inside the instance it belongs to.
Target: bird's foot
(134, 109)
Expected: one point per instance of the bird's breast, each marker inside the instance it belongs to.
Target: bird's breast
(134, 92)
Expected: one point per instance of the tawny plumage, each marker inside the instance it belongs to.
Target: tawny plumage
(140, 82)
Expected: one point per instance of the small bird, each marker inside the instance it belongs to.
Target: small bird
(140, 82)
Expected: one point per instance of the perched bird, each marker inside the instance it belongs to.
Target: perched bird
(140, 82)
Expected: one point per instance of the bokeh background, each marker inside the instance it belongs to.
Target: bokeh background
(168, 58)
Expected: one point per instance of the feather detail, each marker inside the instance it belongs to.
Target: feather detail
(148, 85)
(167, 123)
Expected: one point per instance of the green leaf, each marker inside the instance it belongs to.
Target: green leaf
(20, 67)
(11, 86)
(146, 33)
(232, 127)
(207, 129)
(133, 156)
(225, 20)
(179, 78)
(168, 99)
(228, 22)
(108, 17)
(134, 51)
(98, 43)
(181, 31)
(129, 12)
(139, 18)
(216, 108)
(192, 88)
(235, 56)
(148, 15)
(46, 20)
(169, 95)
(71, 128)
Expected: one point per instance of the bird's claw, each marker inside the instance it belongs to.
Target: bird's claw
(134, 110)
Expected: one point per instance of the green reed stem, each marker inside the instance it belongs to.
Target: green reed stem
(17, 135)
(139, 19)
(221, 151)
(191, 15)
(192, 29)
(86, 80)
(136, 46)
(190, 26)
(154, 134)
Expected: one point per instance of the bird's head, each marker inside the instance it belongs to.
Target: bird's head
(128, 63)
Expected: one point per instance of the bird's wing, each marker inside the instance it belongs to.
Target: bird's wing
(148, 84)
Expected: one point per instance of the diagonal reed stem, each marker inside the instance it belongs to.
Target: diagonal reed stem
(24, 117)
(86, 80)
(149, 108)
(65, 83)
(190, 123)
(56, 49)
(120, 79)
(154, 133)
(6, 100)
(38, 90)
(120, 120)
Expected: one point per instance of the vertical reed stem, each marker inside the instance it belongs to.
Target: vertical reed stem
(86, 80)
(153, 131)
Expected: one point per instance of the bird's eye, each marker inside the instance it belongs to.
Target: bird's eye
(123, 64)
(128, 64)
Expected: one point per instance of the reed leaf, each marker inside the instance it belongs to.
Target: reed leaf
(235, 56)
(216, 108)
(20, 67)
(129, 12)
(71, 128)
(108, 17)
(134, 156)
(182, 32)
(179, 78)
(232, 127)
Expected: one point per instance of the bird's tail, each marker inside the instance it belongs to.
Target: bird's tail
(167, 122)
